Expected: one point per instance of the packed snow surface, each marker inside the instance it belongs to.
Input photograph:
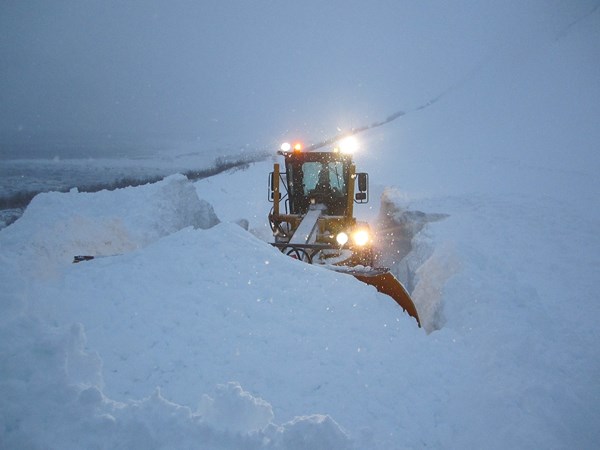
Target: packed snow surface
(190, 331)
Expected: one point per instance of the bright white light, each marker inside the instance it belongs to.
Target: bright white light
(348, 144)
(361, 237)
(341, 238)
(286, 147)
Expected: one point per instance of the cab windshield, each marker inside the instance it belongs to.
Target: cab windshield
(326, 175)
(317, 178)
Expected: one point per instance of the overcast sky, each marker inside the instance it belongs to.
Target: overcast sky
(260, 68)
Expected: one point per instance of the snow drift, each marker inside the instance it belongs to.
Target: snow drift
(46, 366)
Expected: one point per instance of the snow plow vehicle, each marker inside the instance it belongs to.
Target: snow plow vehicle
(312, 217)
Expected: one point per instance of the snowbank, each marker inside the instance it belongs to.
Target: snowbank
(56, 226)
(52, 398)
(143, 322)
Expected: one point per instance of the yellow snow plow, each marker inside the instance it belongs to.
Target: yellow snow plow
(312, 217)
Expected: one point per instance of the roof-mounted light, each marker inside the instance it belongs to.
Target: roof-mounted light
(348, 144)
(286, 147)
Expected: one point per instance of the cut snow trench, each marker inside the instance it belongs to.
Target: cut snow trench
(410, 255)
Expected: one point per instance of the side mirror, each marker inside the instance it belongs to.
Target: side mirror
(362, 195)
(363, 181)
(271, 188)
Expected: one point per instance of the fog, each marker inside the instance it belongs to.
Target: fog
(259, 71)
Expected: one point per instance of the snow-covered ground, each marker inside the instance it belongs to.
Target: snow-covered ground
(192, 332)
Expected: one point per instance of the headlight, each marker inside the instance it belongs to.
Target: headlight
(341, 238)
(361, 237)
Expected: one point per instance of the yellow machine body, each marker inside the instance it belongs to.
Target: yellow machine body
(313, 218)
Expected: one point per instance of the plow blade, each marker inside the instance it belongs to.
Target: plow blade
(386, 283)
